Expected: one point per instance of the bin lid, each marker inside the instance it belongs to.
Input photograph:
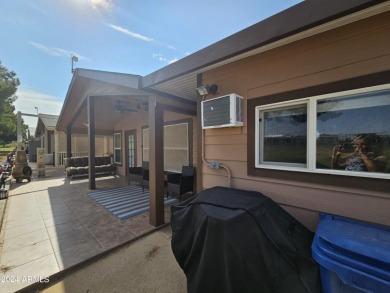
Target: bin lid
(356, 244)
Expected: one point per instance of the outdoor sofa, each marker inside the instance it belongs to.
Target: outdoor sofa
(80, 166)
(139, 174)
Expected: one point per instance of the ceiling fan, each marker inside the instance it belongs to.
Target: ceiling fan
(120, 108)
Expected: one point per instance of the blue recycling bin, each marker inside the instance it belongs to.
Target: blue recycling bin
(353, 256)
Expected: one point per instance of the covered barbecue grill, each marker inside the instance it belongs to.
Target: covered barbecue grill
(230, 240)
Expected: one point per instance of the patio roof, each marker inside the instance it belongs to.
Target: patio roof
(104, 85)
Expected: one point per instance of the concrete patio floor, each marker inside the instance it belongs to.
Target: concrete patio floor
(50, 225)
(146, 264)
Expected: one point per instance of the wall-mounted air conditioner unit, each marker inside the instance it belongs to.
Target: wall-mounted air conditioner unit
(225, 111)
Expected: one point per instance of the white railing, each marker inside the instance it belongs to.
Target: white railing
(76, 155)
(62, 156)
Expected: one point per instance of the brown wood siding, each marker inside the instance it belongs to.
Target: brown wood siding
(355, 50)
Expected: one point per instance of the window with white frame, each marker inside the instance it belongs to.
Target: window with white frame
(345, 133)
(117, 148)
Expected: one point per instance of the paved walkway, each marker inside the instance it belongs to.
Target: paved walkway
(50, 224)
(145, 265)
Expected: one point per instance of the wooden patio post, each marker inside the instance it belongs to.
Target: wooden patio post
(68, 141)
(91, 139)
(199, 141)
(156, 163)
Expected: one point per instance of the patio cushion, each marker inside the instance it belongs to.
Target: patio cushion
(79, 165)
(70, 171)
(82, 170)
(101, 168)
(85, 161)
(99, 161)
(106, 161)
(78, 162)
(68, 162)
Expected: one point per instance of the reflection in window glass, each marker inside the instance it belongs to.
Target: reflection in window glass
(117, 148)
(285, 136)
(353, 133)
(176, 146)
(145, 144)
(132, 146)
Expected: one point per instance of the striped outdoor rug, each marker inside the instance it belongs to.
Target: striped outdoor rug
(125, 202)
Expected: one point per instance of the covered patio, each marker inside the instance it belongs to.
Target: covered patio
(107, 103)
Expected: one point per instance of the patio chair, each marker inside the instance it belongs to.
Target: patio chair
(138, 174)
(145, 180)
(182, 183)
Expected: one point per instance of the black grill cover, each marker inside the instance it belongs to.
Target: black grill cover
(231, 240)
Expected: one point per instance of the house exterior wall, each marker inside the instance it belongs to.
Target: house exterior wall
(103, 144)
(137, 121)
(354, 50)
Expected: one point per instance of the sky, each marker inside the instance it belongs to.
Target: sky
(38, 38)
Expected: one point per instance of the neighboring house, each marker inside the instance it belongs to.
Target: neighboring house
(312, 78)
(51, 140)
(54, 142)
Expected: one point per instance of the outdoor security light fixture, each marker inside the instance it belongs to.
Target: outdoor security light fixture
(204, 90)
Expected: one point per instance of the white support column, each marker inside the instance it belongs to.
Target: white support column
(46, 146)
(56, 148)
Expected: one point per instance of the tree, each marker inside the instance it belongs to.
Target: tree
(8, 119)
(8, 85)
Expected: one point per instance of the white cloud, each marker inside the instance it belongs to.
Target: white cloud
(28, 99)
(55, 52)
(161, 58)
(171, 47)
(129, 33)
(102, 5)
(172, 60)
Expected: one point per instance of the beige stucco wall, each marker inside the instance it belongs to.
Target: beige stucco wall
(135, 121)
(353, 50)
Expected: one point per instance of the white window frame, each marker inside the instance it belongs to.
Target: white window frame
(118, 148)
(260, 133)
(311, 103)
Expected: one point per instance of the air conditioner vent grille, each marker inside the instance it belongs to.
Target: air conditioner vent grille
(225, 111)
(216, 112)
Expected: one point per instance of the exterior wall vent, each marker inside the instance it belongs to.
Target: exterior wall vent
(224, 111)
